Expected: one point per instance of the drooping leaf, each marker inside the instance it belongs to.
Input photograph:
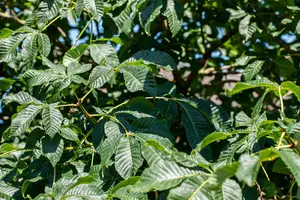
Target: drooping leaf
(52, 119)
(53, 148)
(252, 69)
(104, 54)
(163, 176)
(44, 45)
(196, 126)
(48, 9)
(23, 120)
(248, 169)
(74, 54)
(292, 161)
(286, 66)
(215, 136)
(139, 78)
(128, 158)
(68, 133)
(96, 7)
(21, 98)
(230, 190)
(8, 192)
(290, 86)
(264, 82)
(193, 188)
(108, 148)
(100, 75)
(111, 128)
(9, 47)
(173, 15)
(156, 57)
(148, 14)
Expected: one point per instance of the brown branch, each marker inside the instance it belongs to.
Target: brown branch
(7, 16)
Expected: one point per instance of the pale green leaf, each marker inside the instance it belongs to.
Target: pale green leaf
(108, 148)
(52, 119)
(290, 86)
(95, 7)
(23, 120)
(139, 78)
(76, 68)
(172, 13)
(248, 169)
(264, 82)
(74, 54)
(48, 9)
(104, 54)
(100, 75)
(252, 69)
(230, 190)
(43, 44)
(292, 160)
(128, 157)
(21, 98)
(149, 13)
(68, 134)
(9, 47)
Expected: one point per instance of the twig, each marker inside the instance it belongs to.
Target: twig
(9, 17)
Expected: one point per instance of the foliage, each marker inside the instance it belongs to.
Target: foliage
(123, 110)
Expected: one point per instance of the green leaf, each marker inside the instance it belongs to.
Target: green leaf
(6, 83)
(258, 106)
(104, 54)
(192, 189)
(53, 149)
(43, 44)
(76, 68)
(173, 15)
(30, 49)
(130, 181)
(213, 137)
(128, 157)
(252, 69)
(243, 60)
(195, 125)
(245, 28)
(108, 148)
(68, 134)
(23, 120)
(100, 75)
(286, 66)
(248, 169)
(79, 7)
(74, 54)
(241, 119)
(39, 77)
(156, 57)
(6, 33)
(111, 129)
(292, 160)
(96, 7)
(9, 47)
(298, 28)
(6, 148)
(290, 86)
(47, 10)
(163, 176)
(264, 82)
(149, 13)
(52, 119)
(139, 78)
(236, 14)
(125, 193)
(8, 192)
(230, 190)
(21, 98)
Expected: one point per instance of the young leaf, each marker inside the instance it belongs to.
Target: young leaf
(139, 78)
(23, 120)
(104, 54)
(248, 169)
(52, 119)
(100, 75)
(74, 54)
(128, 157)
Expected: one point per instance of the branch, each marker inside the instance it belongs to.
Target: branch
(6, 15)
